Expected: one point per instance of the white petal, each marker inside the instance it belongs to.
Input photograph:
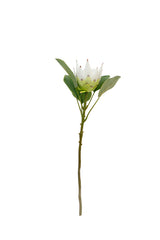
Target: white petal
(87, 71)
(101, 69)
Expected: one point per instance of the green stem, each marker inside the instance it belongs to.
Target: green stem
(91, 109)
(79, 107)
(90, 100)
(79, 158)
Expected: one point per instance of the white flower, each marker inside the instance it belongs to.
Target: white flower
(87, 78)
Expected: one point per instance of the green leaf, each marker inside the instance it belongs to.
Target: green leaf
(68, 81)
(108, 84)
(68, 70)
(102, 80)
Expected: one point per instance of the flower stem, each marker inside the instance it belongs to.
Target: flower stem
(91, 109)
(79, 158)
(90, 100)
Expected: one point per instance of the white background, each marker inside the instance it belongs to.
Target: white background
(39, 121)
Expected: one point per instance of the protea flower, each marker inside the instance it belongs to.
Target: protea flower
(87, 78)
(83, 83)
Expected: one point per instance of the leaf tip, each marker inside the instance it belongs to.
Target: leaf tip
(57, 59)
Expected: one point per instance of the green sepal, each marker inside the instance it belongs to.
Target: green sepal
(85, 96)
(68, 70)
(108, 84)
(102, 80)
(75, 91)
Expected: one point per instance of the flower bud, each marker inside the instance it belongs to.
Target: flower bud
(88, 78)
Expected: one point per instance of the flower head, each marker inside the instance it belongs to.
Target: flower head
(88, 78)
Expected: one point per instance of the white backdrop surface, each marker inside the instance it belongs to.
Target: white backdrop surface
(39, 121)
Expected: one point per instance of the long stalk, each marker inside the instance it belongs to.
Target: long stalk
(83, 119)
(79, 158)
